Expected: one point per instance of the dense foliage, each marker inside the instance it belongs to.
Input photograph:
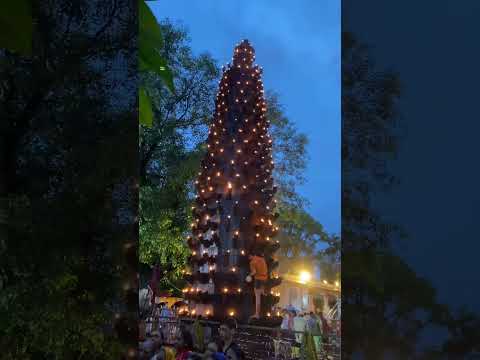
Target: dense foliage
(170, 151)
(66, 143)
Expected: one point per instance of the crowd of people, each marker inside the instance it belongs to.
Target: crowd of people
(304, 321)
(183, 347)
(176, 342)
(299, 322)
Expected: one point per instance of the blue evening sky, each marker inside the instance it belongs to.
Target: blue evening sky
(437, 200)
(298, 46)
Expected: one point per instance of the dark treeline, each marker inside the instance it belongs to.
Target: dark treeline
(68, 184)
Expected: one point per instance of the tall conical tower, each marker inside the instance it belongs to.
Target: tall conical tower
(234, 207)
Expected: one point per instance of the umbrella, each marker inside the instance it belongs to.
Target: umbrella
(179, 303)
(292, 308)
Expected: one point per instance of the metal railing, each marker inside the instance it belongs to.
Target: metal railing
(261, 342)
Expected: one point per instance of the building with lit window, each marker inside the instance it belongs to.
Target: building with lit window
(306, 294)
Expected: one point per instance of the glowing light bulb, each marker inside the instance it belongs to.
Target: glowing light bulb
(242, 252)
(225, 290)
(256, 202)
(229, 185)
(231, 313)
(239, 290)
(218, 173)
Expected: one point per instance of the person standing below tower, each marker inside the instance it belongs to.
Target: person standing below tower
(259, 272)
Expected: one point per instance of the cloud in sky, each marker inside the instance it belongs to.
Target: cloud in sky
(298, 45)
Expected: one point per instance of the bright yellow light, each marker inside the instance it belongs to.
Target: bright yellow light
(305, 276)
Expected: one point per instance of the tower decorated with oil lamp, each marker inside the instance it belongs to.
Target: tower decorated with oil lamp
(233, 213)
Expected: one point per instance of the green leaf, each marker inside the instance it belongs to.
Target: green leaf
(150, 60)
(16, 26)
(145, 108)
(149, 31)
(150, 41)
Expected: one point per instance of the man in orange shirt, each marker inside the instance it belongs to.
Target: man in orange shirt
(259, 271)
